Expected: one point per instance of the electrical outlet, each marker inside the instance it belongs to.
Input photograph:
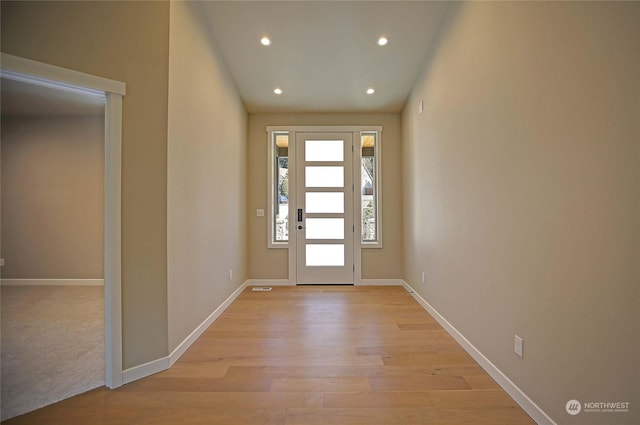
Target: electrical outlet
(422, 277)
(230, 274)
(420, 107)
(1, 262)
(518, 344)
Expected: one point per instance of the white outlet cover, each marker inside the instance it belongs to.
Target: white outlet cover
(259, 212)
(518, 345)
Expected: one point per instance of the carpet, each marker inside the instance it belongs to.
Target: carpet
(52, 345)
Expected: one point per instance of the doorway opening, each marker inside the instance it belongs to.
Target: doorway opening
(108, 95)
(53, 245)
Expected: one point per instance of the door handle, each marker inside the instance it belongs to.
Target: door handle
(300, 227)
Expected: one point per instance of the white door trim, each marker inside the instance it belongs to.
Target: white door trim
(292, 246)
(322, 129)
(342, 274)
(27, 70)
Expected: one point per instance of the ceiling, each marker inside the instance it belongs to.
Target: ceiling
(324, 54)
(21, 99)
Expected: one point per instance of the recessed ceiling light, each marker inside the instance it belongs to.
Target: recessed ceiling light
(277, 90)
(382, 41)
(371, 90)
(265, 41)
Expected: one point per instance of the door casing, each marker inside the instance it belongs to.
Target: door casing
(292, 244)
(43, 74)
(324, 274)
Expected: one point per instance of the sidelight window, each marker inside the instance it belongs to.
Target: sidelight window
(279, 211)
(370, 196)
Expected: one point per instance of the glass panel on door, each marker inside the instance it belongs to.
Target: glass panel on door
(325, 255)
(323, 176)
(323, 150)
(325, 228)
(324, 202)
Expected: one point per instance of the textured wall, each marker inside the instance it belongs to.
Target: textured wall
(522, 195)
(53, 198)
(206, 177)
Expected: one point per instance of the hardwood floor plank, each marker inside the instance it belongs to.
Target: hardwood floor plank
(418, 383)
(311, 359)
(208, 416)
(471, 399)
(391, 350)
(359, 416)
(195, 370)
(198, 384)
(429, 326)
(337, 371)
(428, 358)
(334, 384)
(482, 382)
(455, 370)
(406, 416)
(377, 399)
(218, 400)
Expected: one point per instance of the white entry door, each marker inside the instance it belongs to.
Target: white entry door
(324, 219)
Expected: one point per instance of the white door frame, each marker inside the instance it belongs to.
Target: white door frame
(343, 275)
(357, 241)
(39, 73)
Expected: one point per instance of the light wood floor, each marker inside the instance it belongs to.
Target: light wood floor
(304, 356)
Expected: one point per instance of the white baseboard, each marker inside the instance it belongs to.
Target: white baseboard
(193, 336)
(164, 363)
(381, 282)
(516, 393)
(144, 370)
(52, 282)
(363, 282)
(268, 282)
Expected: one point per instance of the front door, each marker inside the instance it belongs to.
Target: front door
(324, 219)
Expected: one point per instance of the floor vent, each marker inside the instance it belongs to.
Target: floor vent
(261, 288)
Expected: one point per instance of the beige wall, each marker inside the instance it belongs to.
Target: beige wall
(53, 197)
(128, 42)
(206, 177)
(265, 263)
(522, 195)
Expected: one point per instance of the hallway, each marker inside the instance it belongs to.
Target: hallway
(308, 355)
